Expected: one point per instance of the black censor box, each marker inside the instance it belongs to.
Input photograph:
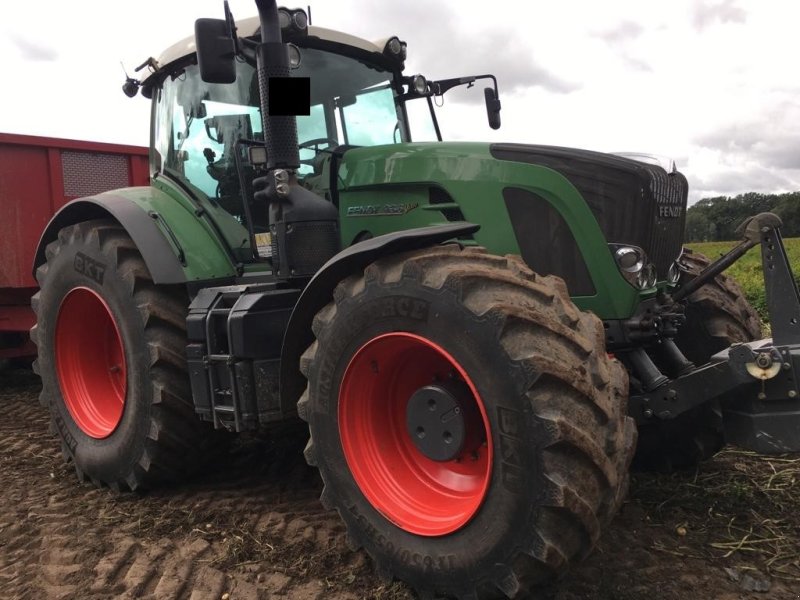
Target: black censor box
(289, 96)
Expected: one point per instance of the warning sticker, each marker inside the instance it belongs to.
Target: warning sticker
(264, 245)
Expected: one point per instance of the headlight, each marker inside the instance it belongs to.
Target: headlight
(647, 277)
(674, 273)
(633, 265)
(676, 268)
(420, 84)
(293, 21)
(294, 56)
(630, 259)
(395, 48)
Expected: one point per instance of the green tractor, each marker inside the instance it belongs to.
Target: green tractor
(473, 332)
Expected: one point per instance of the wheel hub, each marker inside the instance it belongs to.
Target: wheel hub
(435, 420)
(430, 484)
(90, 362)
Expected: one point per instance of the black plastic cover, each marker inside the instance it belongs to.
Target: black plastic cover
(633, 202)
(215, 51)
(258, 321)
(545, 240)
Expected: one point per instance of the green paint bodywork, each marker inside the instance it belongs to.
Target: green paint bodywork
(394, 181)
(398, 178)
(204, 252)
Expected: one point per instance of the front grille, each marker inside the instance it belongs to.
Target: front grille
(634, 203)
(670, 191)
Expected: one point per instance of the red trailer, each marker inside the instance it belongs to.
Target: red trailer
(37, 177)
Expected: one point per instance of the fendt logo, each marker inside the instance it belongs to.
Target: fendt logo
(381, 210)
(670, 212)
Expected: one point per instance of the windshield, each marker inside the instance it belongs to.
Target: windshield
(198, 126)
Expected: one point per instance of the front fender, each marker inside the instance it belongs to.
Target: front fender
(174, 243)
(319, 292)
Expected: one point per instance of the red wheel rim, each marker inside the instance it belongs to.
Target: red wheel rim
(90, 362)
(416, 493)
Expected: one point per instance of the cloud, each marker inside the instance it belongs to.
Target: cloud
(772, 141)
(438, 41)
(706, 14)
(636, 64)
(34, 50)
(754, 156)
(623, 31)
(739, 179)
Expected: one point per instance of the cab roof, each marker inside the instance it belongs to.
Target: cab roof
(249, 27)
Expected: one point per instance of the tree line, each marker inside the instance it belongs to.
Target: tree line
(716, 219)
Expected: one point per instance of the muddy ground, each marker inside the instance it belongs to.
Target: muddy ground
(251, 528)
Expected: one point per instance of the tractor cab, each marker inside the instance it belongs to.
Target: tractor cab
(204, 132)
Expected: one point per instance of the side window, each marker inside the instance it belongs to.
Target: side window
(371, 119)
(208, 144)
(309, 128)
(420, 122)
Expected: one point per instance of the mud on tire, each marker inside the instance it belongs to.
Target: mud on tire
(554, 403)
(717, 315)
(156, 436)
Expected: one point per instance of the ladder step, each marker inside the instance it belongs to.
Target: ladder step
(223, 358)
(225, 410)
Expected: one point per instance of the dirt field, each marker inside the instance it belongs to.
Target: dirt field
(252, 528)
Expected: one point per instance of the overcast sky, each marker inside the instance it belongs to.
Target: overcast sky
(711, 83)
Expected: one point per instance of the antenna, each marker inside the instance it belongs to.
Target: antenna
(309, 14)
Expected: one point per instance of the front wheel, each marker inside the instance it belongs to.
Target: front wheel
(468, 425)
(111, 348)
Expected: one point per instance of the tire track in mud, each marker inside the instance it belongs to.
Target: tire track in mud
(251, 526)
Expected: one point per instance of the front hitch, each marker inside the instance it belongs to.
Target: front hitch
(757, 383)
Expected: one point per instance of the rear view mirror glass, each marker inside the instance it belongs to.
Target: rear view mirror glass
(216, 51)
(492, 107)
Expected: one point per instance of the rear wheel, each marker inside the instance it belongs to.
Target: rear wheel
(111, 357)
(468, 425)
(717, 315)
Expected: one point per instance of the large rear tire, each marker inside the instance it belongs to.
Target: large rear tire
(111, 348)
(717, 315)
(527, 455)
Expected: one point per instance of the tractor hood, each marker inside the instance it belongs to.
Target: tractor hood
(631, 201)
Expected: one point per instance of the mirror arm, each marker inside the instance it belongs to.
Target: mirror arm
(440, 87)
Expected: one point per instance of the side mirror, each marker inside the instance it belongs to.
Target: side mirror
(492, 107)
(216, 50)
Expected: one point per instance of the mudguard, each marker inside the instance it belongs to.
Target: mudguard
(319, 292)
(174, 243)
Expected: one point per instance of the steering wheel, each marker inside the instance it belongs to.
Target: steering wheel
(314, 144)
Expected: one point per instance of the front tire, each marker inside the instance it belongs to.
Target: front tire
(544, 443)
(111, 350)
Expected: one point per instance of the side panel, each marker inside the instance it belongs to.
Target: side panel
(38, 176)
(176, 245)
(387, 188)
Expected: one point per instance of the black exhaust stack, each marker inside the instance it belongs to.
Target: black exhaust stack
(304, 226)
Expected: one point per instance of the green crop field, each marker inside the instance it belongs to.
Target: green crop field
(747, 270)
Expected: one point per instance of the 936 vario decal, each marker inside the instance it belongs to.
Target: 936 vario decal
(381, 210)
